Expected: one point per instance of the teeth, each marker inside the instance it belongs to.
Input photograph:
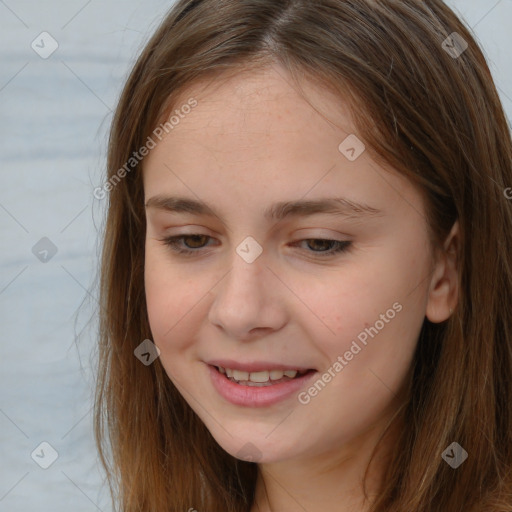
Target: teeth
(259, 377)
(240, 375)
(276, 374)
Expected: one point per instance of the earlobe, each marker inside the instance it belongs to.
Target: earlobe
(444, 286)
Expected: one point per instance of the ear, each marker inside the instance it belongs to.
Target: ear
(444, 290)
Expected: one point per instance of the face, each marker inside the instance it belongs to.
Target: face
(264, 285)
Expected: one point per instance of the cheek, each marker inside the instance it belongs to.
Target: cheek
(347, 300)
(170, 299)
(366, 361)
(372, 314)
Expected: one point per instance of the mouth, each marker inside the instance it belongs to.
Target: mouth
(258, 387)
(261, 378)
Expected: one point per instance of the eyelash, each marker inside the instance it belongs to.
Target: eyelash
(173, 241)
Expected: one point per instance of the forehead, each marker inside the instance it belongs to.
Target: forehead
(254, 91)
(255, 116)
(255, 138)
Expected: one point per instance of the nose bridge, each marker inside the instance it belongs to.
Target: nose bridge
(248, 271)
(244, 286)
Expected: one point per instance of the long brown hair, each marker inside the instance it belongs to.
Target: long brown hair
(432, 115)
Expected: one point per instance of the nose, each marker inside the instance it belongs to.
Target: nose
(249, 301)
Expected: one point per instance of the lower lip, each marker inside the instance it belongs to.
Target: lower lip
(256, 396)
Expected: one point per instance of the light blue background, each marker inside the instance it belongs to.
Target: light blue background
(54, 116)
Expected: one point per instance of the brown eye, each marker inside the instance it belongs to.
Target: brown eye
(320, 245)
(196, 241)
(324, 247)
(186, 244)
(191, 245)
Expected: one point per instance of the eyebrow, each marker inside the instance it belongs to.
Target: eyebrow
(337, 206)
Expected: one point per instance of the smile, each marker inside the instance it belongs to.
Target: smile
(257, 388)
(262, 378)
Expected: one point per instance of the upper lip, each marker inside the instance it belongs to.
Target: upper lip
(255, 366)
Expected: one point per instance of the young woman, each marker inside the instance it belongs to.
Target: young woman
(306, 277)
